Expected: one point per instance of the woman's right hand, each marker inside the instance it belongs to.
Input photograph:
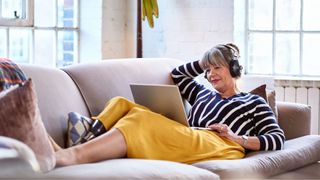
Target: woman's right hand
(223, 131)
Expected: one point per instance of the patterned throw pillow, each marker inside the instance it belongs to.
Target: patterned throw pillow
(20, 119)
(10, 74)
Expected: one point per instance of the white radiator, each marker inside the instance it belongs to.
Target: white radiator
(301, 91)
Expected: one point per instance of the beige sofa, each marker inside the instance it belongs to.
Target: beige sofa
(85, 88)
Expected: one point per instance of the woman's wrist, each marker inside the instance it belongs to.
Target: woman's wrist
(248, 142)
(240, 140)
(245, 140)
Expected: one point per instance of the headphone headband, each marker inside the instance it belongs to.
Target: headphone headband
(234, 52)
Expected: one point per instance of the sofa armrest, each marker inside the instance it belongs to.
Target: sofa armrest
(294, 119)
(11, 148)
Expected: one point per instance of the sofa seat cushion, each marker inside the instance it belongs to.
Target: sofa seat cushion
(297, 153)
(132, 169)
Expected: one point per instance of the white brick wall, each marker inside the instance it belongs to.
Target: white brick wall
(115, 28)
(184, 30)
(187, 28)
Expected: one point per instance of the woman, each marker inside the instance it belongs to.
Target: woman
(237, 121)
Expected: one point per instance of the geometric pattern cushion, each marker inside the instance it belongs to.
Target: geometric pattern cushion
(78, 128)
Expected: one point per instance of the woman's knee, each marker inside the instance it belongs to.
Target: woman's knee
(119, 99)
(124, 101)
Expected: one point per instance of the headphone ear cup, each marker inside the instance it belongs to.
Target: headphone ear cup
(206, 74)
(235, 68)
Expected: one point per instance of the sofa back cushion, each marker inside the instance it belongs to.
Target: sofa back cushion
(101, 81)
(57, 95)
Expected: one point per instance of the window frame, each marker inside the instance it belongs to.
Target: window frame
(20, 22)
(246, 31)
(32, 47)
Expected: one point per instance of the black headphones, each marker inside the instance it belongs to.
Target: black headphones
(234, 67)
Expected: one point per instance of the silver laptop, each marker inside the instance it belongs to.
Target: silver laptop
(162, 99)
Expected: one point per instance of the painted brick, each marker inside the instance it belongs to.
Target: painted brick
(189, 28)
(184, 30)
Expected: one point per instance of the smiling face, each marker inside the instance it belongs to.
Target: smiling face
(220, 78)
(218, 73)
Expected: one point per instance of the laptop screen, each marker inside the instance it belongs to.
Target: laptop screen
(162, 99)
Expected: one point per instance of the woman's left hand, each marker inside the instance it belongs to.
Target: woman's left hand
(223, 131)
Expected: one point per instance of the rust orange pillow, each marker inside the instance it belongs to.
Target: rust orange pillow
(260, 91)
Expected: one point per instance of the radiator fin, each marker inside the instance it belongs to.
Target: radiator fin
(304, 95)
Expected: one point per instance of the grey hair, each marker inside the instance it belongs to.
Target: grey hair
(221, 55)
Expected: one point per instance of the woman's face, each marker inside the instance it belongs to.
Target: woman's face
(220, 78)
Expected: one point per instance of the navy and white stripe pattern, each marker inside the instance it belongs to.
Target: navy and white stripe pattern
(244, 113)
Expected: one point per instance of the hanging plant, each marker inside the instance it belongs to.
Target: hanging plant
(150, 9)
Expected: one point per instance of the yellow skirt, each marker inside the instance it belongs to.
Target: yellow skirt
(152, 136)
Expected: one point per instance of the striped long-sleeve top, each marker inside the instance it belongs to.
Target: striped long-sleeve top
(244, 113)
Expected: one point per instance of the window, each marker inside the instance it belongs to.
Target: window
(278, 37)
(16, 12)
(52, 40)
